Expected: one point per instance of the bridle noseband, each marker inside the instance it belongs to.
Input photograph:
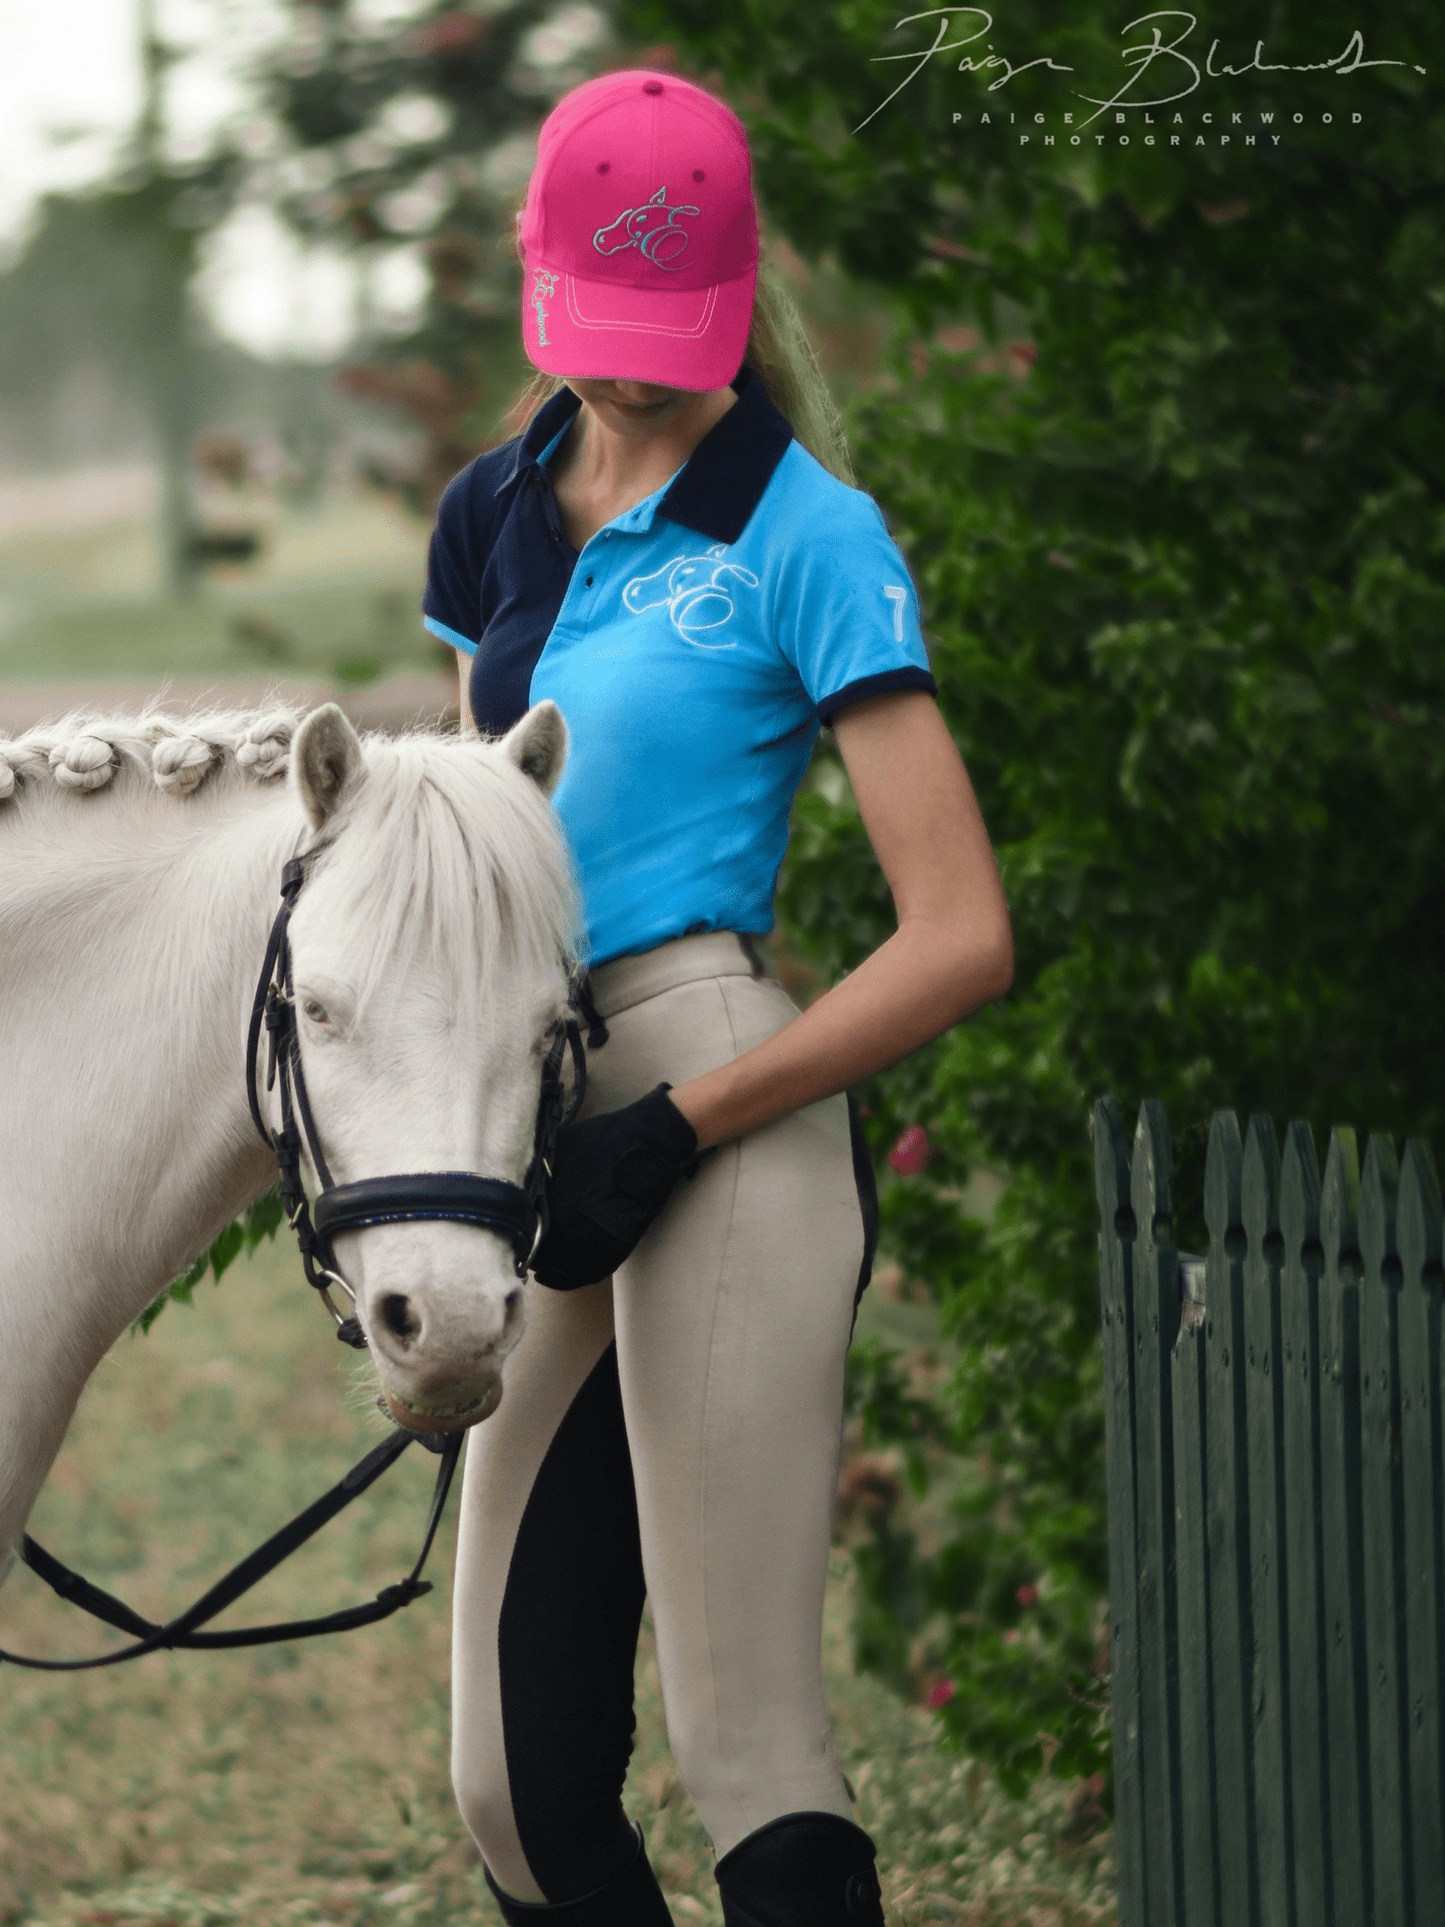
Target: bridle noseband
(517, 1212)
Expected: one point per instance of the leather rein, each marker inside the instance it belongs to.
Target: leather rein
(516, 1212)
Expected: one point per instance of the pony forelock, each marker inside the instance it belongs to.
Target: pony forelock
(448, 851)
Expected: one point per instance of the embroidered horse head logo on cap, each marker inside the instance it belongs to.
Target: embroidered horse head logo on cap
(652, 229)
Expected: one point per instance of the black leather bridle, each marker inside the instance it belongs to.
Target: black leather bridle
(518, 1212)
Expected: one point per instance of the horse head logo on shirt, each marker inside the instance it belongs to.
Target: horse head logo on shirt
(651, 229)
(694, 590)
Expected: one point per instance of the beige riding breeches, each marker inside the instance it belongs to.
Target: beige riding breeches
(675, 1428)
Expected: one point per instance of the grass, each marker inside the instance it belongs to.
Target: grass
(308, 1783)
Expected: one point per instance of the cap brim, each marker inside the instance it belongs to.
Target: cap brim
(679, 338)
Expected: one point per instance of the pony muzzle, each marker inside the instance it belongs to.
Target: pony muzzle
(442, 1310)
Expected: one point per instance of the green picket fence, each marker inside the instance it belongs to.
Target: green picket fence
(1276, 1544)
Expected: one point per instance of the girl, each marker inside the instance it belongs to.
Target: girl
(674, 553)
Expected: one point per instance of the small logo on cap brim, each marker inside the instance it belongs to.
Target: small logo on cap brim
(544, 286)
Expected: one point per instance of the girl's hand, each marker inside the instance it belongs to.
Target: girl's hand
(611, 1176)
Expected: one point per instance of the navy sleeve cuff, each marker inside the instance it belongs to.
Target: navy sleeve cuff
(865, 686)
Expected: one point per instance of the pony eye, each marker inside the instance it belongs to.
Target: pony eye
(314, 1010)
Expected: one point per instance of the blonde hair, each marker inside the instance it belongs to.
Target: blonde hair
(781, 356)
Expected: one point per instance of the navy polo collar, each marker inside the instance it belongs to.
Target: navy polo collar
(722, 481)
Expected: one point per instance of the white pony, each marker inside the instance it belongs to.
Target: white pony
(140, 866)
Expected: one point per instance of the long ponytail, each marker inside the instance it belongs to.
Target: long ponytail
(784, 360)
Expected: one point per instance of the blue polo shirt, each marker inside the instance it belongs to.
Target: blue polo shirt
(694, 647)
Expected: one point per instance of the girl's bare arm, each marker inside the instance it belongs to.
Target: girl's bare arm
(951, 953)
(464, 679)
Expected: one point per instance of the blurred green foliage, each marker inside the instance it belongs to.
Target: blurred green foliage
(420, 134)
(1163, 447)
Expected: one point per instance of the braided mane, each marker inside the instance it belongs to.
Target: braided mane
(91, 749)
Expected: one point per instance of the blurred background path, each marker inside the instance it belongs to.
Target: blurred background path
(315, 600)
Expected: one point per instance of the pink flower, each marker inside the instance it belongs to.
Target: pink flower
(941, 1692)
(1027, 1595)
(911, 1153)
(1012, 1636)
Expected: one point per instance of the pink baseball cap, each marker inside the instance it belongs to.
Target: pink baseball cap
(640, 235)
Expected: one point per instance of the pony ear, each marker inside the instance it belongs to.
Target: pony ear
(538, 745)
(326, 762)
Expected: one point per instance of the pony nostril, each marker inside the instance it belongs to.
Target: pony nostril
(399, 1317)
(514, 1298)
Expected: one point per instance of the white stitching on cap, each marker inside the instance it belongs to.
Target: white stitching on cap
(642, 327)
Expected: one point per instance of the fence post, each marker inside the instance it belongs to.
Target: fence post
(1344, 1556)
(1277, 1530)
(1156, 1322)
(1418, 1241)
(1116, 1316)
(1384, 1531)
(1299, 1218)
(1231, 1634)
(1199, 1805)
(1269, 1580)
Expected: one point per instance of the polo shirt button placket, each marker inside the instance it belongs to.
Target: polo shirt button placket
(540, 484)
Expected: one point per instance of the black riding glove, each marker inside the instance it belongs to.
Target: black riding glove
(611, 1175)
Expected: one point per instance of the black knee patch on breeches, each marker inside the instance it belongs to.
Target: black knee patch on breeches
(567, 1643)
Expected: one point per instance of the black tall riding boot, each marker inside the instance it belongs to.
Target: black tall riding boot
(803, 1870)
(630, 1899)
